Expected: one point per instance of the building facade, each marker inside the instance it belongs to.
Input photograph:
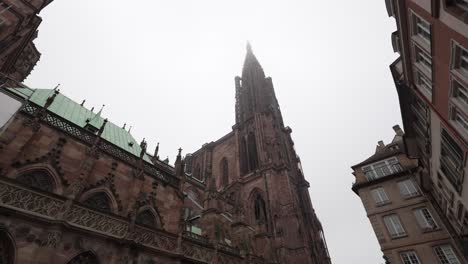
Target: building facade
(431, 79)
(408, 227)
(76, 188)
(19, 22)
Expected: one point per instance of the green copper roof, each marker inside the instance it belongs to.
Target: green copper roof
(78, 115)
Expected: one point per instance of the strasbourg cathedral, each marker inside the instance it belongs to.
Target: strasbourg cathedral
(77, 188)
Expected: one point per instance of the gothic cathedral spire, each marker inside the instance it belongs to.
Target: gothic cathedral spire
(254, 91)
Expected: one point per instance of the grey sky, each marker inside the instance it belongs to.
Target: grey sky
(167, 68)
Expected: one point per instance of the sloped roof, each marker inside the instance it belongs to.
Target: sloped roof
(77, 114)
(385, 152)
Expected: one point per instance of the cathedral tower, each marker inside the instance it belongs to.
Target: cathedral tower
(254, 175)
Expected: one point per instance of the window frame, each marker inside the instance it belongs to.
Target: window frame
(451, 161)
(456, 58)
(407, 255)
(422, 59)
(410, 194)
(424, 84)
(416, 36)
(439, 252)
(381, 194)
(457, 87)
(392, 166)
(424, 214)
(459, 120)
(394, 218)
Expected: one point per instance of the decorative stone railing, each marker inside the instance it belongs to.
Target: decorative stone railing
(228, 249)
(99, 222)
(25, 200)
(162, 173)
(53, 207)
(196, 238)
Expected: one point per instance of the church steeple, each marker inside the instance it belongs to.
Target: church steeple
(254, 92)
(252, 70)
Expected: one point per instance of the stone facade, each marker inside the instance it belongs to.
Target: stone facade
(19, 22)
(408, 227)
(75, 188)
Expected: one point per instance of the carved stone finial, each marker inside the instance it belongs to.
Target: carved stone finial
(156, 151)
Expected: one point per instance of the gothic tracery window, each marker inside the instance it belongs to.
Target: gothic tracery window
(225, 172)
(84, 258)
(253, 157)
(259, 210)
(197, 172)
(243, 156)
(146, 218)
(39, 179)
(99, 201)
(7, 253)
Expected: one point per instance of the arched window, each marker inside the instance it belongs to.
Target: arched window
(7, 250)
(146, 218)
(244, 167)
(99, 201)
(197, 172)
(259, 210)
(39, 179)
(224, 168)
(84, 258)
(253, 157)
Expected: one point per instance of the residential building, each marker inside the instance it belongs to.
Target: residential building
(77, 188)
(407, 226)
(431, 78)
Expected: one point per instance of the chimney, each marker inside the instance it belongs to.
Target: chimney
(398, 130)
(381, 144)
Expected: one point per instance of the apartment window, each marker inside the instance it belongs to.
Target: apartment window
(382, 168)
(451, 159)
(423, 59)
(425, 219)
(394, 227)
(461, 120)
(380, 197)
(409, 257)
(408, 188)
(446, 255)
(421, 28)
(460, 94)
(459, 59)
(424, 83)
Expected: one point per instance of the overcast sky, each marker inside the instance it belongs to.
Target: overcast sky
(167, 68)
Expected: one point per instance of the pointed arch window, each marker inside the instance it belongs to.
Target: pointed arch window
(225, 172)
(99, 201)
(39, 179)
(197, 172)
(259, 210)
(243, 156)
(146, 218)
(84, 258)
(253, 157)
(7, 249)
